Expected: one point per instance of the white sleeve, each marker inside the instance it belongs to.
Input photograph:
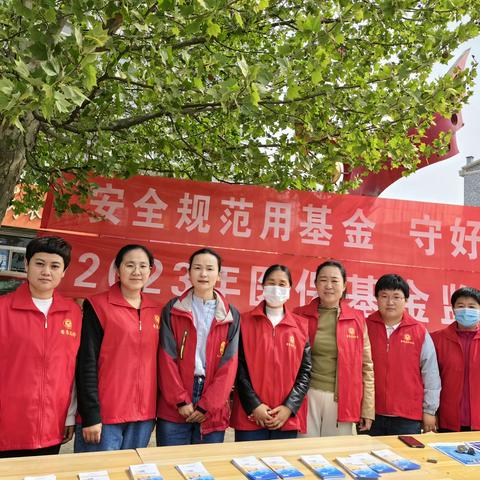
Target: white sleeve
(72, 409)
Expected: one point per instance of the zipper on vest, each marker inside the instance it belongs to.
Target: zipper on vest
(182, 347)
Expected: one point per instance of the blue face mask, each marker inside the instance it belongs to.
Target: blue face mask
(467, 317)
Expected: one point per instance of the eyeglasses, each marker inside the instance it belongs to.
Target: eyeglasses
(131, 267)
(387, 299)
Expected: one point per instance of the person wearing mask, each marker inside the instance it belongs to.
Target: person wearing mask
(274, 366)
(39, 339)
(342, 387)
(458, 355)
(197, 358)
(407, 382)
(117, 360)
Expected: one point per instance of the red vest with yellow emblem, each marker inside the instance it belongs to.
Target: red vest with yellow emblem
(37, 368)
(127, 365)
(396, 361)
(350, 329)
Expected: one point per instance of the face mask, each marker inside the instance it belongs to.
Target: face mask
(467, 317)
(276, 296)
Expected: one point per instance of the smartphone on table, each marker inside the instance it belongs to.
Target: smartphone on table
(411, 441)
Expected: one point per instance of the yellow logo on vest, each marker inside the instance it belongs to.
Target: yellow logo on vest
(352, 334)
(156, 322)
(221, 350)
(68, 324)
(407, 338)
(291, 342)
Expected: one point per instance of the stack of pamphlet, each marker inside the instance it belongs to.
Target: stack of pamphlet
(281, 467)
(321, 466)
(254, 469)
(98, 475)
(144, 471)
(465, 453)
(41, 477)
(374, 463)
(194, 471)
(356, 467)
(396, 460)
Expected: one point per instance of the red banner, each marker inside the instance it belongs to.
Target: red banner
(392, 232)
(92, 270)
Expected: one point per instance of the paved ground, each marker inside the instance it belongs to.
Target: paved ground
(68, 448)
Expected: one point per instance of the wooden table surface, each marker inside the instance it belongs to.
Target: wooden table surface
(69, 465)
(217, 458)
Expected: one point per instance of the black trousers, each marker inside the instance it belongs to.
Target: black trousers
(52, 450)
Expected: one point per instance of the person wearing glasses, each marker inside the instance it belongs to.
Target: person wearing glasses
(407, 380)
(117, 360)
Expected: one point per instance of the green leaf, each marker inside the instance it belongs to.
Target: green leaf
(22, 69)
(78, 36)
(242, 63)
(238, 19)
(213, 29)
(90, 79)
(317, 76)
(6, 86)
(293, 92)
(46, 67)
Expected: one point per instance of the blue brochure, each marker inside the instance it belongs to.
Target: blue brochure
(450, 449)
(321, 466)
(254, 469)
(396, 460)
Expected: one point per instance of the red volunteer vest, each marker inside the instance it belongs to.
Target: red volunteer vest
(274, 357)
(451, 365)
(127, 365)
(350, 329)
(396, 362)
(37, 368)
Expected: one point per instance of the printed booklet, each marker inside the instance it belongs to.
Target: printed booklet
(194, 471)
(281, 467)
(356, 468)
(321, 466)
(145, 471)
(396, 460)
(254, 469)
(450, 449)
(98, 475)
(373, 462)
(41, 477)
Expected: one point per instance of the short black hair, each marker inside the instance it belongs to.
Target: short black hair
(128, 248)
(275, 268)
(332, 263)
(203, 251)
(469, 292)
(56, 245)
(392, 281)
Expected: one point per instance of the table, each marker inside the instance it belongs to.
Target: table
(217, 457)
(67, 466)
(446, 466)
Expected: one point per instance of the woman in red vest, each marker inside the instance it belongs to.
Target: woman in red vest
(458, 355)
(274, 366)
(342, 388)
(117, 360)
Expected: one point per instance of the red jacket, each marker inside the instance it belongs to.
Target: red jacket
(399, 388)
(451, 363)
(176, 362)
(273, 357)
(37, 368)
(127, 364)
(350, 332)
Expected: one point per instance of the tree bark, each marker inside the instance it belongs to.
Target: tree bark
(14, 146)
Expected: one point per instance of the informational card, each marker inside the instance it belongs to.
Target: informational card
(373, 462)
(321, 466)
(396, 460)
(281, 467)
(145, 471)
(254, 469)
(98, 475)
(459, 452)
(194, 471)
(356, 468)
(41, 477)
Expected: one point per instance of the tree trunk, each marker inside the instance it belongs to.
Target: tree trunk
(14, 146)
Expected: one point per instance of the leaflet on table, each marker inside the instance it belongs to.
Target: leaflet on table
(254, 469)
(356, 468)
(98, 475)
(449, 448)
(475, 445)
(194, 471)
(281, 467)
(374, 463)
(41, 477)
(396, 460)
(321, 466)
(145, 471)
